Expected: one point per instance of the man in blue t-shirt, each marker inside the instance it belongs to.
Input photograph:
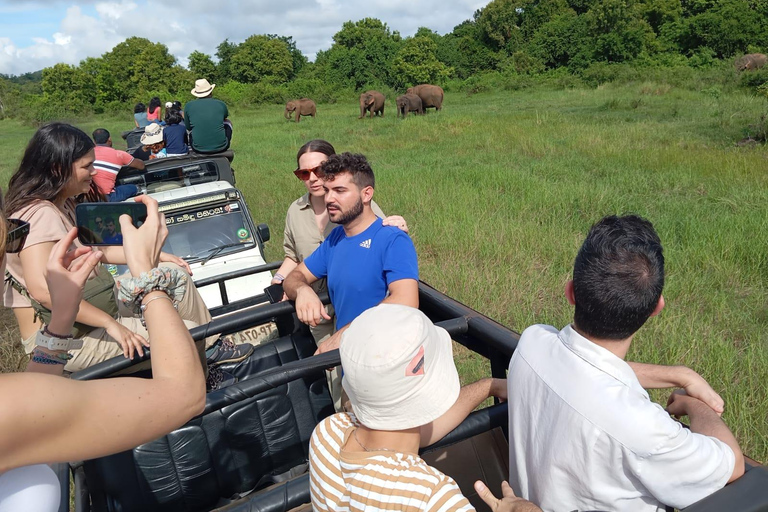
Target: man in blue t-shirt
(365, 262)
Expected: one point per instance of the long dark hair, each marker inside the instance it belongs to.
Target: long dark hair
(316, 146)
(154, 103)
(46, 165)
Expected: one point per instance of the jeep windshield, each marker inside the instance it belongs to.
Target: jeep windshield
(209, 231)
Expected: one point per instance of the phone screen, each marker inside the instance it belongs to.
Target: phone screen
(99, 224)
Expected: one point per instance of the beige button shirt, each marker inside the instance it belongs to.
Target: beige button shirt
(301, 236)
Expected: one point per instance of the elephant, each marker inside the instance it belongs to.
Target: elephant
(372, 101)
(302, 107)
(751, 61)
(431, 95)
(408, 103)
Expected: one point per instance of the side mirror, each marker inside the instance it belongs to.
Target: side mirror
(263, 231)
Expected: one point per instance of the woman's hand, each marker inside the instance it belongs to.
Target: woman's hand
(66, 273)
(142, 246)
(397, 221)
(172, 258)
(128, 340)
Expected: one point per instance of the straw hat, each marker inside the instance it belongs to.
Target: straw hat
(202, 88)
(153, 134)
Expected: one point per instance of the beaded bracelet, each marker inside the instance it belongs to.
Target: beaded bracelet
(41, 357)
(278, 276)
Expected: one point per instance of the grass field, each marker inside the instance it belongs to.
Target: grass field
(500, 189)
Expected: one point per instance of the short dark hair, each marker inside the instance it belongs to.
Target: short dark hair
(109, 220)
(177, 104)
(353, 163)
(316, 146)
(139, 108)
(618, 276)
(100, 136)
(173, 116)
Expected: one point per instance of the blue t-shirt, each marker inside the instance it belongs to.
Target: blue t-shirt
(360, 268)
(175, 136)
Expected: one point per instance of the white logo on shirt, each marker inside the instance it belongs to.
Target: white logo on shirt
(366, 244)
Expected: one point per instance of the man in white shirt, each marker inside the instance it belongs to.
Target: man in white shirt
(583, 433)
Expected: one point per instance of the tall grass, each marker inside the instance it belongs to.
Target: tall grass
(500, 188)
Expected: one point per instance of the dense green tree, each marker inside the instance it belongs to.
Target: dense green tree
(361, 55)
(224, 52)
(499, 23)
(417, 63)
(563, 41)
(69, 86)
(620, 34)
(464, 51)
(729, 27)
(261, 57)
(202, 66)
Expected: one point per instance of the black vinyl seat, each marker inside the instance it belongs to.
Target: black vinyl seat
(226, 453)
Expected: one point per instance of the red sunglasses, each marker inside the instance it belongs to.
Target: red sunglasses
(303, 174)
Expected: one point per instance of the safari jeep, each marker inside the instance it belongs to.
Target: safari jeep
(209, 225)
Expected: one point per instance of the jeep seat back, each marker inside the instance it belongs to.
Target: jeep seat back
(225, 453)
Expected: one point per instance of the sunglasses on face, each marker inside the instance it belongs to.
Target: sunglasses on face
(303, 174)
(17, 235)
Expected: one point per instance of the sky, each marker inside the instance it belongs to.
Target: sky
(39, 33)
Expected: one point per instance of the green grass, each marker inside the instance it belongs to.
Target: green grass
(499, 190)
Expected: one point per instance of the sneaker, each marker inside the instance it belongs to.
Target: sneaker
(218, 379)
(226, 351)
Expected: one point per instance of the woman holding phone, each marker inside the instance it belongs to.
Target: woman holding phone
(46, 419)
(57, 167)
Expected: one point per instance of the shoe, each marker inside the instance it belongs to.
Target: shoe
(226, 351)
(218, 379)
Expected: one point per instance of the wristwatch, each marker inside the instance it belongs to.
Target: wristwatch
(56, 343)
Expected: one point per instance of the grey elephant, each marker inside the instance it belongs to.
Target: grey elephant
(751, 61)
(302, 107)
(431, 95)
(373, 102)
(408, 103)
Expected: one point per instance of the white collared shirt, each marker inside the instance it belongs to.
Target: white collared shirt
(583, 434)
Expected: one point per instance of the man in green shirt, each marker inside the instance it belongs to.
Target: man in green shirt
(206, 120)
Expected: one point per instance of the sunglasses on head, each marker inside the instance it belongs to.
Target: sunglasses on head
(303, 174)
(17, 235)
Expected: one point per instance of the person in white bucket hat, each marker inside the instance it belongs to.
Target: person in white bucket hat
(404, 390)
(206, 120)
(152, 139)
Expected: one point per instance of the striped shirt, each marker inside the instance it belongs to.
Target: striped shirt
(108, 163)
(343, 480)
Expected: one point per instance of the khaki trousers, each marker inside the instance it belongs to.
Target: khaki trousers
(98, 346)
(333, 377)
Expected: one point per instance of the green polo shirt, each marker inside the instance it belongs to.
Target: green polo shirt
(204, 118)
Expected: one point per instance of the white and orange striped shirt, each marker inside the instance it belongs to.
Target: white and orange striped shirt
(342, 480)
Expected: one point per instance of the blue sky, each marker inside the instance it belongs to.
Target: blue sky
(37, 34)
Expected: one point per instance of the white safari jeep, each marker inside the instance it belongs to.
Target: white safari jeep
(209, 225)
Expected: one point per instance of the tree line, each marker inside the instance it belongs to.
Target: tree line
(506, 38)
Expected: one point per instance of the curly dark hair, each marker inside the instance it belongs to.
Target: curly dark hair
(173, 116)
(355, 164)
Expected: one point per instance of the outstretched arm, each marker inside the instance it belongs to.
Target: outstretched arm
(655, 376)
(50, 419)
(470, 397)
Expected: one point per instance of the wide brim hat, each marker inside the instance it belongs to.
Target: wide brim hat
(202, 88)
(398, 368)
(153, 133)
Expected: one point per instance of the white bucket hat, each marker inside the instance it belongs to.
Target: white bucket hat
(153, 133)
(202, 88)
(398, 368)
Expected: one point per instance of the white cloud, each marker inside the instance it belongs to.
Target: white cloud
(204, 24)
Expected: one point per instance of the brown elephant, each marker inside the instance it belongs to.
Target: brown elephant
(751, 61)
(372, 101)
(408, 103)
(302, 107)
(431, 95)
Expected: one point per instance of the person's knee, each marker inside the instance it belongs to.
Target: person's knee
(33, 487)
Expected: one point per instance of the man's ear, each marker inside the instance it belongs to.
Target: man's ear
(569, 293)
(659, 306)
(367, 194)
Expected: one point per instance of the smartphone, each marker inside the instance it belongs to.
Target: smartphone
(274, 293)
(99, 224)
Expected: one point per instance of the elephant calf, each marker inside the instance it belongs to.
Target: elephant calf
(408, 103)
(373, 102)
(302, 107)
